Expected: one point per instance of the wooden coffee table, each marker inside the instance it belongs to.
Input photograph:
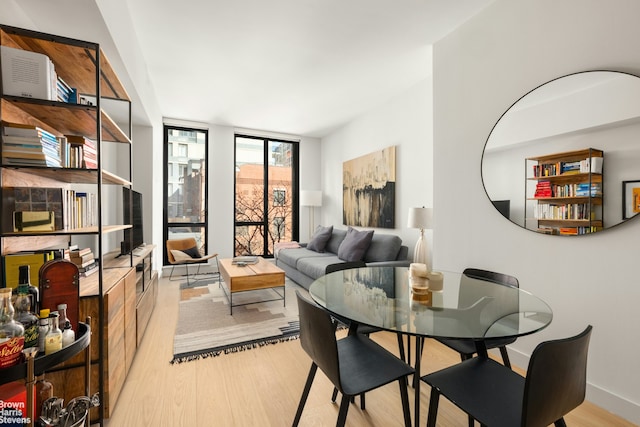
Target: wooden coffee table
(251, 277)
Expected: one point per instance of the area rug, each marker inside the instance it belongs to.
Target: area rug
(205, 328)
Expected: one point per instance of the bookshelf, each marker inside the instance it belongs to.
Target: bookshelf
(564, 192)
(112, 296)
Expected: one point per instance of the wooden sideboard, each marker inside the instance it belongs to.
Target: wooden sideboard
(129, 298)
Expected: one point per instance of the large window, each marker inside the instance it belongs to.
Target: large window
(185, 184)
(266, 202)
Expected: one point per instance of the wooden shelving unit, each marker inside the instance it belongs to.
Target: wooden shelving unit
(564, 199)
(110, 296)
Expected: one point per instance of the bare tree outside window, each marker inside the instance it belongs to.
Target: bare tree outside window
(264, 207)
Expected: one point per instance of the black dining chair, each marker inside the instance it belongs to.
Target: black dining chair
(467, 348)
(354, 364)
(496, 396)
(360, 329)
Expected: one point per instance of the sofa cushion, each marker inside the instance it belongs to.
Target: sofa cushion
(383, 247)
(315, 267)
(320, 238)
(337, 236)
(291, 256)
(355, 244)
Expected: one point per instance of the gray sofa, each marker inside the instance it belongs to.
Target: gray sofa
(303, 265)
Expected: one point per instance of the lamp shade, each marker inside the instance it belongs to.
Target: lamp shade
(420, 218)
(310, 198)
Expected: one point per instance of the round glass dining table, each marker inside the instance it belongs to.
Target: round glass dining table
(466, 307)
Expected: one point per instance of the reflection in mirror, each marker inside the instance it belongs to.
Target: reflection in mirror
(540, 166)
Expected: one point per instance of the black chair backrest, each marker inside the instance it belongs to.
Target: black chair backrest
(476, 284)
(556, 379)
(492, 276)
(344, 266)
(318, 338)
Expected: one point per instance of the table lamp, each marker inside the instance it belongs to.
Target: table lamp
(420, 218)
(312, 199)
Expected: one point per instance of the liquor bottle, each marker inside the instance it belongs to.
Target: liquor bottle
(24, 278)
(53, 340)
(24, 315)
(68, 335)
(11, 332)
(43, 328)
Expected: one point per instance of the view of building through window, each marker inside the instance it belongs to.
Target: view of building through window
(265, 205)
(186, 184)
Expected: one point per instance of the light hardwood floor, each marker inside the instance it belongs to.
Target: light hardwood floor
(261, 387)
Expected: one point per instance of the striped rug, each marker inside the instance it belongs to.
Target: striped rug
(205, 328)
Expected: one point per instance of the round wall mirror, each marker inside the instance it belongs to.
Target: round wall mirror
(564, 159)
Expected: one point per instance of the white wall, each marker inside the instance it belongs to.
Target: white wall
(404, 121)
(479, 71)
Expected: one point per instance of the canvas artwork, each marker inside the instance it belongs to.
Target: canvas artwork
(369, 192)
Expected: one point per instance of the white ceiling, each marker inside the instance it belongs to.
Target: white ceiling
(301, 67)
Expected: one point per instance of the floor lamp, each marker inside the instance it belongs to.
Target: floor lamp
(420, 218)
(311, 199)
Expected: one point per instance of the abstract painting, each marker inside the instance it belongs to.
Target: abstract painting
(369, 189)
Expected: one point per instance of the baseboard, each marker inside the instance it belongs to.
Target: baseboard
(605, 399)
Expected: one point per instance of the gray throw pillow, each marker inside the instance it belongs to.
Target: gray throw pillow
(355, 244)
(320, 238)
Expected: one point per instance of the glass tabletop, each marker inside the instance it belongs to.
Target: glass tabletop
(467, 307)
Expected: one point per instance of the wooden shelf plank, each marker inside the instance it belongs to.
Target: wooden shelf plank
(72, 175)
(61, 118)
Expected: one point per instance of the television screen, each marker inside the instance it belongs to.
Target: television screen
(132, 215)
(504, 207)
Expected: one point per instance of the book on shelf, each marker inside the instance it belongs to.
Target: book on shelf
(82, 260)
(85, 151)
(89, 269)
(29, 145)
(76, 252)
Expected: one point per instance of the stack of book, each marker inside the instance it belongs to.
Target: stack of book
(85, 261)
(80, 152)
(66, 93)
(543, 190)
(27, 145)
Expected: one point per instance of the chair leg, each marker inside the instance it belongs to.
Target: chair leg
(344, 407)
(405, 401)
(362, 405)
(186, 266)
(505, 357)
(305, 393)
(401, 348)
(433, 407)
(334, 395)
(560, 423)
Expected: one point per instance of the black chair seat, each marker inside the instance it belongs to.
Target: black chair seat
(365, 366)
(467, 386)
